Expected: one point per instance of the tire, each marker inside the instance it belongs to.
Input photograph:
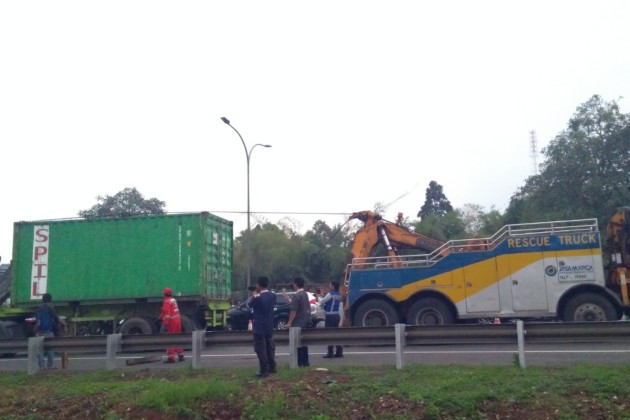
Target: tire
(429, 311)
(589, 307)
(154, 326)
(187, 324)
(229, 326)
(11, 330)
(199, 321)
(375, 313)
(7, 331)
(281, 324)
(136, 326)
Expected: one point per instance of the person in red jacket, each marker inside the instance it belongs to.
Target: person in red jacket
(171, 323)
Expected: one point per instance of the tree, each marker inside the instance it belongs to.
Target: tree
(585, 172)
(280, 253)
(128, 202)
(478, 222)
(435, 202)
(325, 251)
(443, 228)
(471, 216)
(275, 254)
(491, 222)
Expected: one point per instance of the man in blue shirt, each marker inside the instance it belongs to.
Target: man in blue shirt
(333, 308)
(263, 302)
(47, 325)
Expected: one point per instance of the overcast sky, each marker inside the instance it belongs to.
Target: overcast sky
(362, 101)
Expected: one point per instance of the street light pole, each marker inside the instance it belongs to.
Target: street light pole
(248, 242)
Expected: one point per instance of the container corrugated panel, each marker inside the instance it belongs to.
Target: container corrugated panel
(123, 258)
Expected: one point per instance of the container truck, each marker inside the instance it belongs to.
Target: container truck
(529, 270)
(107, 275)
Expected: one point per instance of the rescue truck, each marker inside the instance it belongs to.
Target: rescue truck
(528, 270)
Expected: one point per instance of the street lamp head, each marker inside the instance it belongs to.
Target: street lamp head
(265, 145)
(225, 120)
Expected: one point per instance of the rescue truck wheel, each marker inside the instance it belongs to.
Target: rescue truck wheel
(136, 326)
(429, 311)
(589, 307)
(375, 313)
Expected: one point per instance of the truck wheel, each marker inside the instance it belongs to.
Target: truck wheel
(429, 311)
(136, 326)
(199, 321)
(375, 313)
(154, 326)
(7, 331)
(589, 307)
(187, 325)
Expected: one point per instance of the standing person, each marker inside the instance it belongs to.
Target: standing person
(318, 294)
(333, 311)
(300, 316)
(263, 303)
(171, 323)
(46, 325)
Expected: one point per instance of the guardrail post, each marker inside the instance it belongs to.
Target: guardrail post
(35, 347)
(198, 341)
(520, 332)
(400, 345)
(114, 345)
(295, 341)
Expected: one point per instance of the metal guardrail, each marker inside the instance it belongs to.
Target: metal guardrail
(400, 336)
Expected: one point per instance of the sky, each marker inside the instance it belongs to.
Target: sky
(363, 102)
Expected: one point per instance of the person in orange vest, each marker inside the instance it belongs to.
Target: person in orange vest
(171, 323)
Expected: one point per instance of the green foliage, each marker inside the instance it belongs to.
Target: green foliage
(325, 252)
(128, 202)
(417, 391)
(271, 408)
(491, 222)
(585, 172)
(443, 228)
(274, 254)
(471, 216)
(478, 223)
(435, 202)
(160, 394)
(282, 254)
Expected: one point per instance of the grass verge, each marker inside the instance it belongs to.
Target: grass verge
(432, 392)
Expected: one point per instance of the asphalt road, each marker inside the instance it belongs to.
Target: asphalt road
(243, 356)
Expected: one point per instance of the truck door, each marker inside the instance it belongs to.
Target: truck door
(482, 289)
(529, 292)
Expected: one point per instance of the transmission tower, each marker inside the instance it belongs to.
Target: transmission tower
(533, 144)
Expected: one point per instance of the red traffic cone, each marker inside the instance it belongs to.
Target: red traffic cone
(497, 320)
(250, 326)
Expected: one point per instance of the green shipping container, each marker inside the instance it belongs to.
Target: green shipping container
(119, 260)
